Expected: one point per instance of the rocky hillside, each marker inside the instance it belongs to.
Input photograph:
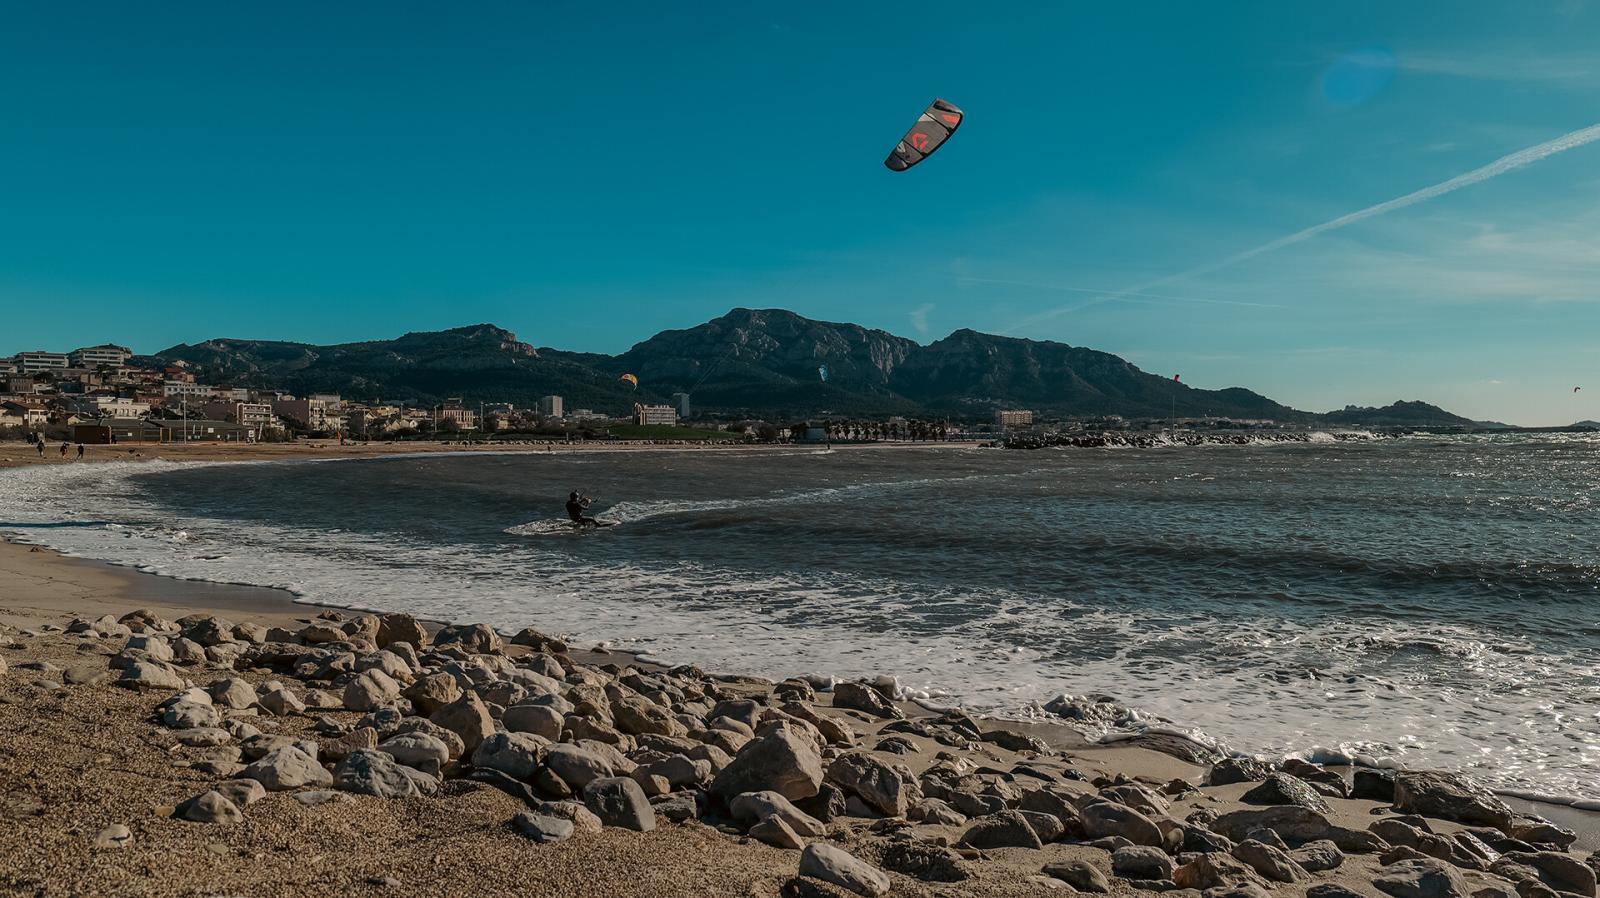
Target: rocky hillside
(767, 363)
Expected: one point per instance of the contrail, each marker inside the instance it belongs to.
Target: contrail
(1119, 294)
(1507, 163)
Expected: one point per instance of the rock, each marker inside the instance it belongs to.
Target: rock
(81, 675)
(1318, 856)
(1081, 875)
(280, 702)
(1211, 871)
(1012, 740)
(1447, 796)
(114, 836)
(775, 832)
(1424, 878)
(400, 628)
(829, 864)
(467, 718)
(1048, 826)
(1007, 829)
(1559, 871)
(1269, 860)
(149, 675)
(873, 781)
(515, 754)
(202, 737)
(422, 751)
(1373, 784)
(287, 768)
(543, 828)
(1104, 818)
(637, 716)
(1534, 831)
(1237, 770)
(761, 805)
(618, 801)
(1281, 788)
(432, 692)
(319, 797)
(861, 697)
(187, 651)
(583, 820)
(577, 767)
(932, 810)
(1332, 890)
(828, 804)
(781, 760)
(376, 773)
(232, 692)
(371, 690)
(929, 863)
(1296, 825)
(209, 807)
(359, 739)
(478, 639)
(1141, 862)
(242, 792)
(1323, 780)
(540, 720)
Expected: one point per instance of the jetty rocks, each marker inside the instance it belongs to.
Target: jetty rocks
(862, 793)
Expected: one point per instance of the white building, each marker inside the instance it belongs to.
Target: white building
(111, 407)
(1013, 417)
(550, 406)
(654, 414)
(30, 362)
(682, 401)
(106, 355)
(176, 388)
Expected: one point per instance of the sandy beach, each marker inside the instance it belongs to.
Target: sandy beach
(96, 788)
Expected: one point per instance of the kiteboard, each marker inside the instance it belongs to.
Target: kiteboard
(557, 527)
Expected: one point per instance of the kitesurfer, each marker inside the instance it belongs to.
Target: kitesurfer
(577, 504)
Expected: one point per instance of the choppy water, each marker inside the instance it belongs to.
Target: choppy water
(1431, 601)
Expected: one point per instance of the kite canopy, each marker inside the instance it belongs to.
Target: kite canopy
(933, 128)
(630, 379)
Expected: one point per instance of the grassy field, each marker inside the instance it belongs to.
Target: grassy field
(667, 432)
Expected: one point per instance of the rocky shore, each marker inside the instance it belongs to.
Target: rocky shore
(1128, 440)
(402, 750)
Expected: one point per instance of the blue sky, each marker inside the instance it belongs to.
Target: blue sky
(586, 176)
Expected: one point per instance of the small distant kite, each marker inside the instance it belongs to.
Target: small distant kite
(1576, 389)
(933, 128)
(1174, 378)
(629, 378)
(822, 372)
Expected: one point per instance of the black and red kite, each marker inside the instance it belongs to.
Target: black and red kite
(933, 128)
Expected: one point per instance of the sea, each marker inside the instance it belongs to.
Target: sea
(1422, 601)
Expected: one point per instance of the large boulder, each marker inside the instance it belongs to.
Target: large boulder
(371, 690)
(1295, 825)
(1007, 829)
(1081, 875)
(209, 807)
(1269, 860)
(822, 861)
(575, 766)
(466, 717)
(1281, 788)
(538, 719)
(1447, 796)
(1105, 818)
(861, 697)
(874, 782)
(757, 806)
(1141, 862)
(781, 760)
(432, 692)
(287, 768)
(149, 675)
(1559, 871)
(400, 628)
(478, 639)
(423, 751)
(514, 754)
(232, 692)
(377, 773)
(618, 801)
(1422, 878)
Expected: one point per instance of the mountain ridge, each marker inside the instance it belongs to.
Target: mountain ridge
(761, 363)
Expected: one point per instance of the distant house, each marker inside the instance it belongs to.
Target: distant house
(654, 414)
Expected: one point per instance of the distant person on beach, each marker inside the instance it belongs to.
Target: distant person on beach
(80, 452)
(40, 444)
(576, 506)
(64, 445)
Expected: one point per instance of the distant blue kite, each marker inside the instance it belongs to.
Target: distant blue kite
(822, 372)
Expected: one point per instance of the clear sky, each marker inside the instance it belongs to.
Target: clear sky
(586, 175)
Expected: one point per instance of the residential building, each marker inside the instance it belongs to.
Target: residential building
(681, 400)
(550, 407)
(1013, 417)
(654, 414)
(462, 417)
(21, 385)
(30, 362)
(31, 413)
(254, 415)
(106, 355)
(584, 414)
(110, 407)
(307, 414)
(179, 388)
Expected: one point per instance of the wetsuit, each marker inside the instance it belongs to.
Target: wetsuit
(576, 509)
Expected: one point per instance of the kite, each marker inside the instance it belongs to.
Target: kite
(630, 379)
(933, 128)
(1576, 389)
(822, 372)
(1174, 378)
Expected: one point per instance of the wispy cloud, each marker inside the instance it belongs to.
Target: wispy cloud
(1503, 66)
(1119, 295)
(1507, 163)
(919, 318)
